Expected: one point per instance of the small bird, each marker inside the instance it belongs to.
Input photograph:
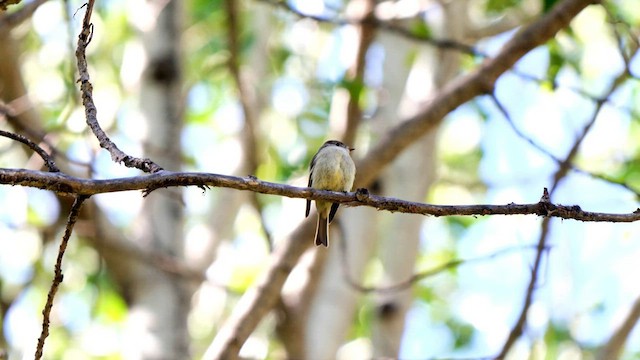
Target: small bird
(331, 169)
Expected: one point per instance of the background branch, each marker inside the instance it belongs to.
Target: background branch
(379, 24)
(33, 146)
(9, 21)
(428, 273)
(458, 92)
(614, 347)
(560, 174)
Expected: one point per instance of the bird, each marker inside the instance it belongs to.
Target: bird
(331, 169)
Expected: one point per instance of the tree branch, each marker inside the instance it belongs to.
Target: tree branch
(614, 347)
(57, 278)
(33, 146)
(458, 92)
(452, 264)
(366, 30)
(64, 184)
(9, 21)
(380, 24)
(556, 159)
(247, 97)
(520, 324)
(86, 89)
(561, 173)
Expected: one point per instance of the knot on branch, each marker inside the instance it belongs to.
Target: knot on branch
(146, 164)
(252, 180)
(362, 194)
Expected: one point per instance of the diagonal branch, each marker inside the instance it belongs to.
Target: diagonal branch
(86, 89)
(248, 102)
(458, 92)
(366, 33)
(57, 278)
(33, 146)
(556, 159)
(520, 324)
(561, 173)
(9, 21)
(615, 345)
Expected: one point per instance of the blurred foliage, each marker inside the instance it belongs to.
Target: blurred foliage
(421, 29)
(499, 6)
(556, 61)
(462, 332)
(547, 5)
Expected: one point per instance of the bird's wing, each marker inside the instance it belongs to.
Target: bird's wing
(313, 162)
(332, 213)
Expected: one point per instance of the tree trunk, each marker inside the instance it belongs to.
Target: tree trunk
(409, 177)
(160, 301)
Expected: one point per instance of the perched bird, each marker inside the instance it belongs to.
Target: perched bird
(331, 169)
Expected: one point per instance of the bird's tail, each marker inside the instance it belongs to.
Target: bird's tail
(322, 232)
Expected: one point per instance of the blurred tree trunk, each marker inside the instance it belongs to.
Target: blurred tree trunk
(159, 301)
(330, 310)
(409, 177)
(404, 89)
(413, 172)
(13, 89)
(250, 89)
(163, 296)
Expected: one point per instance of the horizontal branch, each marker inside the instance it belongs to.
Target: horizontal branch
(435, 270)
(64, 184)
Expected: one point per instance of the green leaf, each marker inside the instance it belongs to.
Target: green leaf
(547, 5)
(499, 6)
(556, 61)
(354, 86)
(421, 29)
(461, 331)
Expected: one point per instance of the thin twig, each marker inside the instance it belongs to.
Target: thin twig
(380, 24)
(631, 40)
(249, 134)
(480, 81)
(553, 157)
(362, 10)
(560, 174)
(57, 278)
(33, 146)
(427, 273)
(86, 89)
(574, 89)
(7, 113)
(518, 327)
(566, 164)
